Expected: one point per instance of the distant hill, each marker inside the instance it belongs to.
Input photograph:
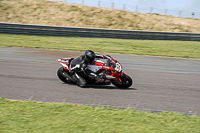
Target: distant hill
(66, 14)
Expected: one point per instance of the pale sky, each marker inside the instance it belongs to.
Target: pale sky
(183, 8)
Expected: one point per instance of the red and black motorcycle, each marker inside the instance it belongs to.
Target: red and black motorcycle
(107, 70)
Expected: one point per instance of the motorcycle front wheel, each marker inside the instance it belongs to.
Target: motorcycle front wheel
(126, 82)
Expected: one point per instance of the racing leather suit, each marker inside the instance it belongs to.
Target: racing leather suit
(79, 64)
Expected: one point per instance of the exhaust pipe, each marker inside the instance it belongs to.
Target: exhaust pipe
(68, 77)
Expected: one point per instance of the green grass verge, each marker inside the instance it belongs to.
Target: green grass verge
(184, 49)
(27, 117)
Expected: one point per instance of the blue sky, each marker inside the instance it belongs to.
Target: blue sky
(183, 8)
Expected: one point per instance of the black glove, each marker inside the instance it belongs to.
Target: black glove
(83, 66)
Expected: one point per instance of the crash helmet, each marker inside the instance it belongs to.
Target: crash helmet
(89, 56)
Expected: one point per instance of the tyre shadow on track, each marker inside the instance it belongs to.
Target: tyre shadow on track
(108, 87)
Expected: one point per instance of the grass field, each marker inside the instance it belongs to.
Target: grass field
(27, 117)
(184, 49)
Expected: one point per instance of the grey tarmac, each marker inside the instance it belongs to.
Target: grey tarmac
(160, 83)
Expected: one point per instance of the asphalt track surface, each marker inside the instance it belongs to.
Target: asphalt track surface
(160, 84)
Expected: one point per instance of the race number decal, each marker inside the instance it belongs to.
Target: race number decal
(118, 67)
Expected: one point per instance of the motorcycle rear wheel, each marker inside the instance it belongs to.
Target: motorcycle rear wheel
(60, 72)
(126, 82)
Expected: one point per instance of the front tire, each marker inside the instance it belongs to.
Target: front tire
(126, 82)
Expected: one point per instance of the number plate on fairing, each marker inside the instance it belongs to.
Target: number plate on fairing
(118, 67)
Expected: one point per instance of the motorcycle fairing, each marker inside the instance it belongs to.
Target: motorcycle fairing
(65, 62)
(94, 68)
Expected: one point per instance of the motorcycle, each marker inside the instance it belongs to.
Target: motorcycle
(105, 71)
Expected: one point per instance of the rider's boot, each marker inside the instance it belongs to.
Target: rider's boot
(79, 80)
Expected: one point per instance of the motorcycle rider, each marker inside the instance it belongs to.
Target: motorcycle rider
(80, 64)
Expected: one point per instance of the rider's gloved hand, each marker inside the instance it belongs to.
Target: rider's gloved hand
(83, 66)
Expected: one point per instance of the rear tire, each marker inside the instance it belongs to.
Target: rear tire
(126, 82)
(60, 72)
